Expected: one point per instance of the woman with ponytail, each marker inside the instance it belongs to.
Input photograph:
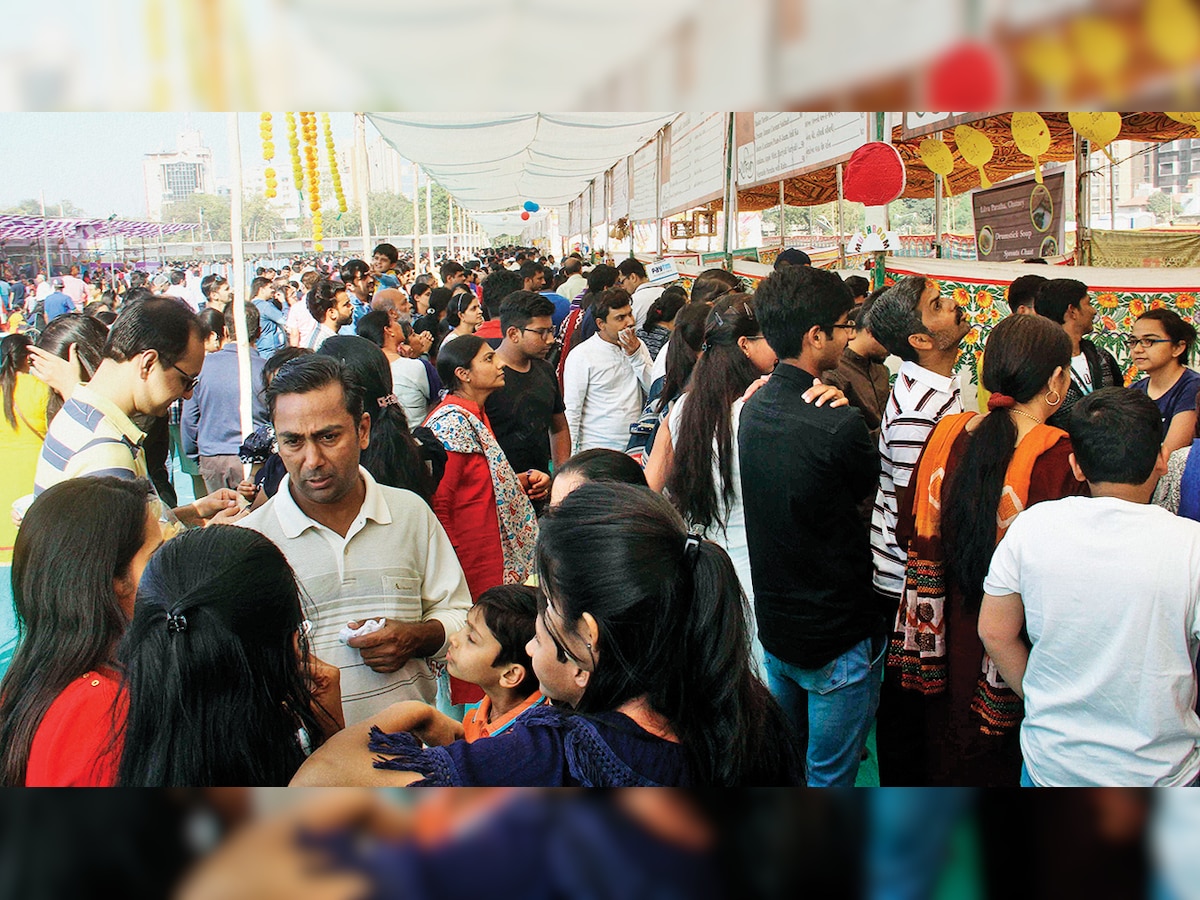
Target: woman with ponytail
(660, 319)
(221, 686)
(946, 717)
(642, 630)
(21, 431)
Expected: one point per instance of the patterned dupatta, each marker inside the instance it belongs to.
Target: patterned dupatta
(461, 432)
(917, 653)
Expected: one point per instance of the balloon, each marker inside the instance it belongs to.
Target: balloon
(938, 158)
(976, 148)
(530, 206)
(1048, 59)
(969, 75)
(1101, 128)
(1187, 118)
(525, 216)
(874, 175)
(1103, 50)
(1172, 31)
(1032, 138)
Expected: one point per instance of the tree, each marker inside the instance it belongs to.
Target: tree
(53, 208)
(392, 214)
(214, 210)
(1163, 205)
(259, 219)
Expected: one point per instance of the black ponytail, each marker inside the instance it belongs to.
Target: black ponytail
(14, 356)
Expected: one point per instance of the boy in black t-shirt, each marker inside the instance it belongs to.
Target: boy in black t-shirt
(527, 414)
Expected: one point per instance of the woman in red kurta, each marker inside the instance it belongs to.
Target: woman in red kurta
(78, 558)
(480, 501)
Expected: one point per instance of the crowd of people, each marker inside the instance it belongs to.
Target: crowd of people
(525, 523)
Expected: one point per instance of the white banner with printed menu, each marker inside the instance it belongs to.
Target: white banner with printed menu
(645, 186)
(693, 171)
(597, 190)
(574, 220)
(774, 146)
(618, 178)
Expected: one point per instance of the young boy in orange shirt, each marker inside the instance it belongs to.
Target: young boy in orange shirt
(490, 652)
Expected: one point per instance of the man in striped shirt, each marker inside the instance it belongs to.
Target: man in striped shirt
(913, 321)
(152, 358)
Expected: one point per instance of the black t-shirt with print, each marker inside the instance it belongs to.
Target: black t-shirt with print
(520, 414)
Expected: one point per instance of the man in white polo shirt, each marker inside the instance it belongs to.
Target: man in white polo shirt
(1108, 589)
(606, 377)
(361, 551)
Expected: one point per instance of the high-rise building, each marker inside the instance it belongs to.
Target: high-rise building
(171, 176)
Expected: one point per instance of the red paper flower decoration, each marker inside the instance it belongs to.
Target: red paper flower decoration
(968, 76)
(874, 175)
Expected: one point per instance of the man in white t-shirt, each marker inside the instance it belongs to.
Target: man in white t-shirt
(1108, 589)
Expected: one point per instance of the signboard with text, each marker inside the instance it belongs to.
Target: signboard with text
(1020, 220)
(775, 146)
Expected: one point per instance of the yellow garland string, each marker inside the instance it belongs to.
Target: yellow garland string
(335, 174)
(294, 147)
(266, 132)
(308, 127)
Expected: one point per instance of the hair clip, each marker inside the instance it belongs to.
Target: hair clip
(691, 549)
(176, 623)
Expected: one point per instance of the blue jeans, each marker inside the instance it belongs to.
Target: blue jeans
(831, 708)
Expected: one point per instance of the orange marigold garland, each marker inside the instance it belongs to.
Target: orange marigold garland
(308, 128)
(335, 175)
(268, 152)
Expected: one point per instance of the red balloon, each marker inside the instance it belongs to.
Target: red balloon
(524, 216)
(874, 175)
(968, 76)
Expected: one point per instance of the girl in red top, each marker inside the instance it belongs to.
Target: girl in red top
(483, 505)
(76, 565)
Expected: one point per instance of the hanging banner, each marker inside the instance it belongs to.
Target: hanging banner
(1145, 249)
(641, 197)
(574, 220)
(619, 179)
(597, 202)
(694, 169)
(775, 146)
(1020, 220)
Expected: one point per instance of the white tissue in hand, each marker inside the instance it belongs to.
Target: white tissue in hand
(370, 626)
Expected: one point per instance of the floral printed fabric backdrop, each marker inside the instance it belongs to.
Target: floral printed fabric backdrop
(1116, 308)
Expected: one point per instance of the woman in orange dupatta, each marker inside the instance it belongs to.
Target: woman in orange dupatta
(946, 717)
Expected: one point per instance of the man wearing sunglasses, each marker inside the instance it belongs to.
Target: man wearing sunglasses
(152, 358)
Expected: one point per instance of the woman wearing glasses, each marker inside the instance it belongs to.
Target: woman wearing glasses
(1160, 346)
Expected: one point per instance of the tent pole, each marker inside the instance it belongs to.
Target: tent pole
(937, 212)
(360, 149)
(429, 216)
(1083, 202)
(245, 389)
(781, 223)
(658, 223)
(840, 226)
(416, 216)
(729, 239)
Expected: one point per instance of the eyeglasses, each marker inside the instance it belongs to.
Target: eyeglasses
(543, 333)
(189, 381)
(1132, 342)
(848, 325)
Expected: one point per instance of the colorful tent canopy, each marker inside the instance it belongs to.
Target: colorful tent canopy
(16, 228)
(821, 186)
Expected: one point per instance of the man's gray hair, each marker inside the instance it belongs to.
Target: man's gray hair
(896, 315)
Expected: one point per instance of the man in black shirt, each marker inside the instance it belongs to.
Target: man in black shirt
(804, 469)
(527, 414)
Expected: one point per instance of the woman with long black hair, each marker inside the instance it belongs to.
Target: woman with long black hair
(78, 557)
(219, 680)
(945, 716)
(642, 630)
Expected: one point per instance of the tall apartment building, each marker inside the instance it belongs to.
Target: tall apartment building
(170, 176)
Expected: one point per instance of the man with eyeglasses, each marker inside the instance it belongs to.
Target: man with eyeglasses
(631, 278)
(528, 415)
(153, 357)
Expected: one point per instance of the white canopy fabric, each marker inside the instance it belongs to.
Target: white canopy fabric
(492, 162)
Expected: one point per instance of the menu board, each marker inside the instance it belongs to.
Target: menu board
(694, 170)
(774, 146)
(1020, 220)
(643, 192)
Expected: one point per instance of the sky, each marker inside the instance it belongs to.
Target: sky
(94, 159)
